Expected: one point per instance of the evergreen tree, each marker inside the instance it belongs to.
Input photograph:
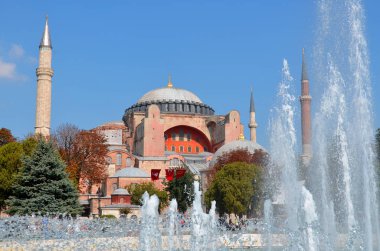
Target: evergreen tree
(11, 155)
(43, 185)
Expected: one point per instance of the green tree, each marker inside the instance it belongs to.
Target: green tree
(182, 190)
(137, 190)
(6, 136)
(11, 155)
(43, 185)
(237, 188)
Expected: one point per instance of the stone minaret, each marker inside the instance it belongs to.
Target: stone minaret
(44, 74)
(305, 100)
(252, 119)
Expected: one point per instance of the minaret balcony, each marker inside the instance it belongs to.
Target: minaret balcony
(305, 98)
(44, 71)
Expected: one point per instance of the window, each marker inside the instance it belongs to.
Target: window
(173, 148)
(181, 135)
(129, 161)
(188, 137)
(189, 149)
(109, 160)
(181, 149)
(166, 137)
(118, 159)
(121, 200)
(197, 149)
(114, 186)
(174, 162)
(205, 149)
(173, 136)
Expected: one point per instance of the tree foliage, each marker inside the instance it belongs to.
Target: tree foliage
(6, 136)
(137, 191)
(11, 155)
(259, 158)
(84, 152)
(43, 185)
(237, 188)
(182, 190)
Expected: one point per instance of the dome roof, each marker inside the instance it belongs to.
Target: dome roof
(250, 146)
(131, 172)
(120, 191)
(169, 93)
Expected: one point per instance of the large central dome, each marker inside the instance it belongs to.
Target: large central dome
(170, 100)
(169, 93)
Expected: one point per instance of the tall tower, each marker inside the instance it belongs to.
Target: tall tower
(305, 100)
(252, 119)
(44, 74)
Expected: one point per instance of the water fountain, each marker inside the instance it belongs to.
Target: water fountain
(329, 204)
(333, 205)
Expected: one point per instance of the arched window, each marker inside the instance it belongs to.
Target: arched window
(173, 148)
(114, 186)
(121, 200)
(181, 149)
(109, 160)
(129, 161)
(174, 162)
(181, 134)
(197, 149)
(118, 159)
(189, 149)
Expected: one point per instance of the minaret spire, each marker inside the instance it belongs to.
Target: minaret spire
(45, 41)
(305, 100)
(252, 115)
(44, 74)
(252, 103)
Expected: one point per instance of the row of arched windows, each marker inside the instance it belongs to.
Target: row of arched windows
(128, 160)
(182, 149)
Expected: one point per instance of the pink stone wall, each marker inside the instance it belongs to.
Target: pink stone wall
(154, 144)
(233, 127)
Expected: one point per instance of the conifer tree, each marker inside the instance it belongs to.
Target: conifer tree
(43, 185)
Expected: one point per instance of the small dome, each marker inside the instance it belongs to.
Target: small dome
(131, 172)
(120, 191)
(250, 146)
(169, 93)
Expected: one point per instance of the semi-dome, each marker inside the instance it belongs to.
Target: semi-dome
(248, 145)
(169, 93)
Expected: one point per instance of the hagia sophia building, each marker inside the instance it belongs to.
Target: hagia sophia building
(168, 128)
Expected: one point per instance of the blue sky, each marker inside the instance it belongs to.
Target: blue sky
(107, 54)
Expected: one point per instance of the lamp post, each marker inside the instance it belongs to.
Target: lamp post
(99, 193)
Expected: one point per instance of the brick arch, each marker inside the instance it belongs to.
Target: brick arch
(186, 140)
